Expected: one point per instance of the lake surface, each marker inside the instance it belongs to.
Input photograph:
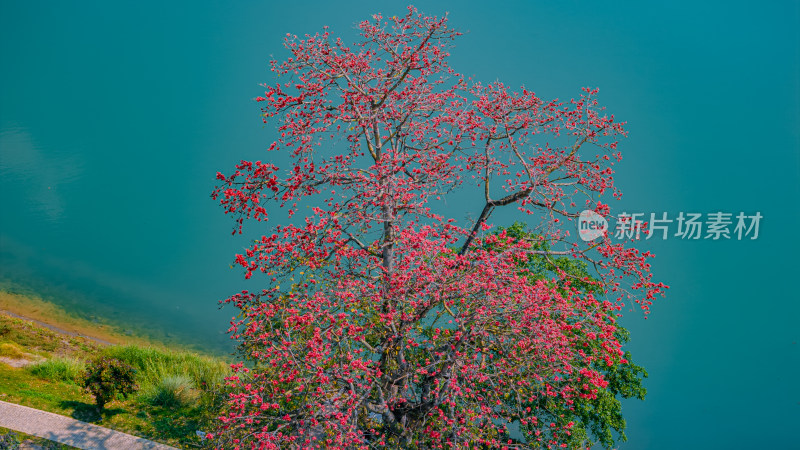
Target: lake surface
(115, 117)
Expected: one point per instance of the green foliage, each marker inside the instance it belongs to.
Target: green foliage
(175, 426)
(173, 391)
(541, 266)
(9, 441)
(11, 351)
(58, 369)
(595, 419)
(35, 338)
(134, 355)
(153, 365)
(105, 377)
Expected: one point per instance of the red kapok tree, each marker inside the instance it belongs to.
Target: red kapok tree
(386, 322)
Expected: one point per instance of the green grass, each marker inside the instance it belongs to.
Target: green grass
(179, 391)
(37, 339)
(11, 351)
(173, 391)
(154, 365)
(12, 439)
(19, 386)
(58, 369)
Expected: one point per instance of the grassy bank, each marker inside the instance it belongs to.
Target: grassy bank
(11, 439)
(41, 367)
(56, 318)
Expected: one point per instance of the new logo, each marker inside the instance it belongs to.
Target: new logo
(591, 225)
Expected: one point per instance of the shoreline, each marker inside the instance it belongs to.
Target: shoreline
(55, 318)
(56, 328)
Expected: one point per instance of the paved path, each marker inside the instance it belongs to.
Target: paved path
(69, 431)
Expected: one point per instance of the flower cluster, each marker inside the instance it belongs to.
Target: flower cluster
(384, 321)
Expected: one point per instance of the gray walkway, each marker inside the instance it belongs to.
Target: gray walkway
(69, 431)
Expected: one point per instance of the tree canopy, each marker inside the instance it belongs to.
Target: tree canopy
(386, 322)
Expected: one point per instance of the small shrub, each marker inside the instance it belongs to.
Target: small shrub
(173, 391)
(58, 369)
(155, 364)
(106, 377)
(11, 351)
(9, 441)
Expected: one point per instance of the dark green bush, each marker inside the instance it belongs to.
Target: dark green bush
(9, 441)
(105, 377)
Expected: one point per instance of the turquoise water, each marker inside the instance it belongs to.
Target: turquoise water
(114, 118)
